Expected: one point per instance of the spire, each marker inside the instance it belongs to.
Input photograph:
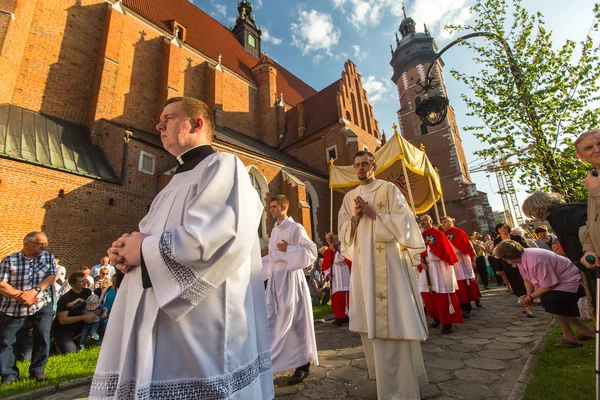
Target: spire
(404, 11)
(397, 40)
(391, 49)
(247, 32)
(425, 26)
(407, 26)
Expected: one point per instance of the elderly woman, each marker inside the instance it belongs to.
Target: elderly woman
(566, 220)
(555, 279)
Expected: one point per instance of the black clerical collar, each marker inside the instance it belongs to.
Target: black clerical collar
(191, 158)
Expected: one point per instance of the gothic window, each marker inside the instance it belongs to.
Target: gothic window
(256, 187)
(348, 116)
(252, 41)
(354, 114)
(368, 119)
(424, 129)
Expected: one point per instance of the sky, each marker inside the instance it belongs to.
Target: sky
(313, 39)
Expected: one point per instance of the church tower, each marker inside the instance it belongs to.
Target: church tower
(411, 58)
(245, 29)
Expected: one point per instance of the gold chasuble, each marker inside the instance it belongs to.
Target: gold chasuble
(385, 302)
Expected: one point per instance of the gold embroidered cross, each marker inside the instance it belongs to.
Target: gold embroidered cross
(381, 205)
(381, 296)
(380, 248)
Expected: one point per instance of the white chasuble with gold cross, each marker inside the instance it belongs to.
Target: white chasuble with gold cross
(385, 302)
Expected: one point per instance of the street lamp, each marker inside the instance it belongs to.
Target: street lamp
(434, 109)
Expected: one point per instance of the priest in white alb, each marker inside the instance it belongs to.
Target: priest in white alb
(289, 307)
(189, 320)
(381, 237)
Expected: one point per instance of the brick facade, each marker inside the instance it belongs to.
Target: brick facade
(108, 66)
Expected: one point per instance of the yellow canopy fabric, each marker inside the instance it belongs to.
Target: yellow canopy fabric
(389, 159)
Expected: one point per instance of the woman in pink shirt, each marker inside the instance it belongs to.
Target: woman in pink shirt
(556, 281)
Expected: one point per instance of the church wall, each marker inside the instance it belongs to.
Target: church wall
(80, 225)
(240, 105)
(56, 72)
(13, 39)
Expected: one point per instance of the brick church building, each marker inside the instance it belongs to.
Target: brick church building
(411, 58)
(82, 83)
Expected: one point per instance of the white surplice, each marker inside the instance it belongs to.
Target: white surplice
(340, 272)
(289, 306)
(442, 276)
(201, 331)
(463, 268)
(387, 312)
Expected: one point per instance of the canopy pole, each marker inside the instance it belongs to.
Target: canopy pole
(330, 209)
(410, 196)
(443, 205)
(437, 212)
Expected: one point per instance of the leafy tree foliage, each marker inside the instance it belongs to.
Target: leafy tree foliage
(532, 97)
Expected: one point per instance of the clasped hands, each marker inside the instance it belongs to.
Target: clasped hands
(27, 297)
(361, 208)
(126, 251)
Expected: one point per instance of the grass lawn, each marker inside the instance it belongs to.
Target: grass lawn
(320, 312)
(563, 373)
(60, 368)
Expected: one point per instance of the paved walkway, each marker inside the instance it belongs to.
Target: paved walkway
(482, 358)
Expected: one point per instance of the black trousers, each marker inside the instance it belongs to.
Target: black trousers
(481, 269)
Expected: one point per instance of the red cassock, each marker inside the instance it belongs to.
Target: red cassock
(467, 288)
(340, 300)
(445, 306)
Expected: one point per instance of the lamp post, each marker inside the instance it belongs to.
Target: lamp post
(434, 109)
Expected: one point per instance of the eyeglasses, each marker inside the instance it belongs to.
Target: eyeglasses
(364, 164)
(39, 244)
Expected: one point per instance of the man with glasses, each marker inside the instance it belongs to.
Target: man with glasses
(95, 271)
(382, 238)
(26, 281)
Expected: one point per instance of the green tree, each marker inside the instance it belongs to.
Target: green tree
(533, 99)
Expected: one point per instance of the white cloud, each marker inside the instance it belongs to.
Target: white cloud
(317, 58)
(257, 4)
(438, 13)
(358, 53)
(220, 9)
(435, 13)
(341, 56)
(266, 37)
(376, 89)
(315, 32)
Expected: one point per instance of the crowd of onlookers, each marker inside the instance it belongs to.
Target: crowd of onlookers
(43, 312)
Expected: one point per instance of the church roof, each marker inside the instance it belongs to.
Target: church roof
(320, 110)
(50, 142)
(210, 37)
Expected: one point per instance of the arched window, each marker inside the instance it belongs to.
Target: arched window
(424, 130)
(354, 114)
(260, 184)
(348, 117)
(368, 118)
(256, 187)
(312, 198)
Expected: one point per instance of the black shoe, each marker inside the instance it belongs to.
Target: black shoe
(345, 320)
(338, 322)
(486, 288)
(299, 374)
(478, 304)
(447, 329)
(435, 323)
(41, 377)
(466, 314)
